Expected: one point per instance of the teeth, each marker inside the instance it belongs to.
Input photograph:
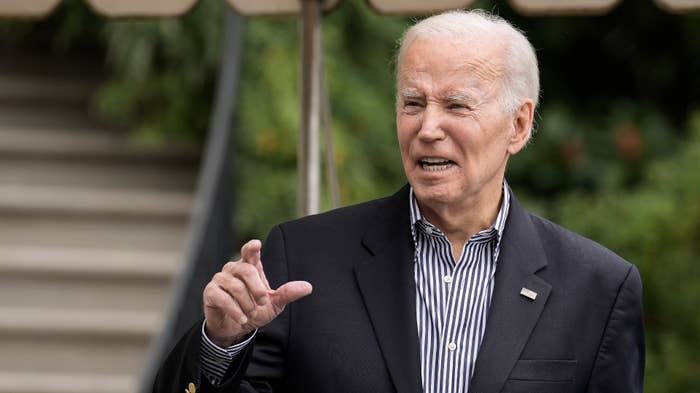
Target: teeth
(431, 160)
(435, 164)
(436, 168)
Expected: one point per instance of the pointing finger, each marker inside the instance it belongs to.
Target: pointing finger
(256, 288)
(250, 253)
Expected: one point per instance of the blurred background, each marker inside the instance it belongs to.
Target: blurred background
(104, 123)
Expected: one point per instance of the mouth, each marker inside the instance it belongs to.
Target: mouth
(433, 164)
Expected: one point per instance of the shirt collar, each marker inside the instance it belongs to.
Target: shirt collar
(417, 220)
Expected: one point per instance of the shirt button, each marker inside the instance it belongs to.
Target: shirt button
(429, 230)
(451, 346)
(447, 279)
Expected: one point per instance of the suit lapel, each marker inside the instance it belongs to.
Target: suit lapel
(388, 290)
(512, 316)
(387, 285)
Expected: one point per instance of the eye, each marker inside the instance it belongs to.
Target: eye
(412, 106)
(457, 107)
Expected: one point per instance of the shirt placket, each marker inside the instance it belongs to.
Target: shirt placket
(460, 316)
(449, 346)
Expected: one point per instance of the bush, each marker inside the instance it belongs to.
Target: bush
(656, 226)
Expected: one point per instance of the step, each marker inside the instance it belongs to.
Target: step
(37, 382)
(96, 173)
(62, 201)
(76, 142)
(56, 137)
(76, 341)
(91, 232)
(45, 88)
(86, 278)
(72, 322)
(91, 263)
(51, 352)
(47, 116)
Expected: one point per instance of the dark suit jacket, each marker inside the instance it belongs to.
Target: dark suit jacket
(357, 332)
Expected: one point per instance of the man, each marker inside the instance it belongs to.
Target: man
(447, 286)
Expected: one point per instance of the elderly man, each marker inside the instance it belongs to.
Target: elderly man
(449, 285)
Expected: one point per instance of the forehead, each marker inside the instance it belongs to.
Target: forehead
(451, 62)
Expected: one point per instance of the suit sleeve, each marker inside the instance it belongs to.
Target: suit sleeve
(182, 367)
(619, 366)
(259, 368)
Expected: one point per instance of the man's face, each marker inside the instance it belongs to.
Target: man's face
(454, 136)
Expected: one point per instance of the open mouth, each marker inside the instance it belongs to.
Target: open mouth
(435, 164)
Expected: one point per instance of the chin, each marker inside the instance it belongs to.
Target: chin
(433, 193)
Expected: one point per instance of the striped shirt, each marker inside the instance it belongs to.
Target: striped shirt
(452, 299)
(452, 302)
(215, 360)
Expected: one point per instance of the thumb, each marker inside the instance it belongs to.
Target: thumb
(289, 292)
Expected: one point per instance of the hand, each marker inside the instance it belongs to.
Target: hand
(239, 299)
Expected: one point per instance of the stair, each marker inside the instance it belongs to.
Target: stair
(91, 236)
(36, 382)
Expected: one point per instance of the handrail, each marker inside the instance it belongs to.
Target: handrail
(210, 233)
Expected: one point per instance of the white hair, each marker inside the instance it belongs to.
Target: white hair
(521, 77)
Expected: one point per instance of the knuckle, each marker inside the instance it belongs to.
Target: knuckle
(211, 287)
(229, 266)
(247, 307)
(235, 309)
(237, 287)
(221, 277)
(213, 298)
(248, 270)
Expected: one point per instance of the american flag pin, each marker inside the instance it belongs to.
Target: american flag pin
(528, 293)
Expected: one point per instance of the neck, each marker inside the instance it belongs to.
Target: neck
(460, 221)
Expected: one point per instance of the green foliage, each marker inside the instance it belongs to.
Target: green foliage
(360, 85)
(611, 158)
(572, 150)
(163, 73)
(265, 156)
(657, 226)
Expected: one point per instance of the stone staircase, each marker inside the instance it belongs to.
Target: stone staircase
(91, 235)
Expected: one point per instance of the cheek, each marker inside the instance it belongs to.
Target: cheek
(403, 133)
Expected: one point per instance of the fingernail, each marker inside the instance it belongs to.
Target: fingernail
(243, 320)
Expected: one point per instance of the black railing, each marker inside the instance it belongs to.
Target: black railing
(210, 234)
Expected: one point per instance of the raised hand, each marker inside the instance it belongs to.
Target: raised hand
(239, 299)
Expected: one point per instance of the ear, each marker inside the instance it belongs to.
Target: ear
(522, 124)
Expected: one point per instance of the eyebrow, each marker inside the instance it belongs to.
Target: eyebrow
(452, 97)
(409, 94)
(459, 97)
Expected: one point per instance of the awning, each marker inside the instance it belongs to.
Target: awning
(170, 8)
(313, 103)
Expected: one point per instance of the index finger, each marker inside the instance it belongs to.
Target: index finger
(250, 253)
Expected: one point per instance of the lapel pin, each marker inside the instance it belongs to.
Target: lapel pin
(528, 293)
(191, 388)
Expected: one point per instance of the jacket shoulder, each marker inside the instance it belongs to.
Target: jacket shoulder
(563, 246)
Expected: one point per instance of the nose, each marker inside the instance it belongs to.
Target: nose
(431, 125)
